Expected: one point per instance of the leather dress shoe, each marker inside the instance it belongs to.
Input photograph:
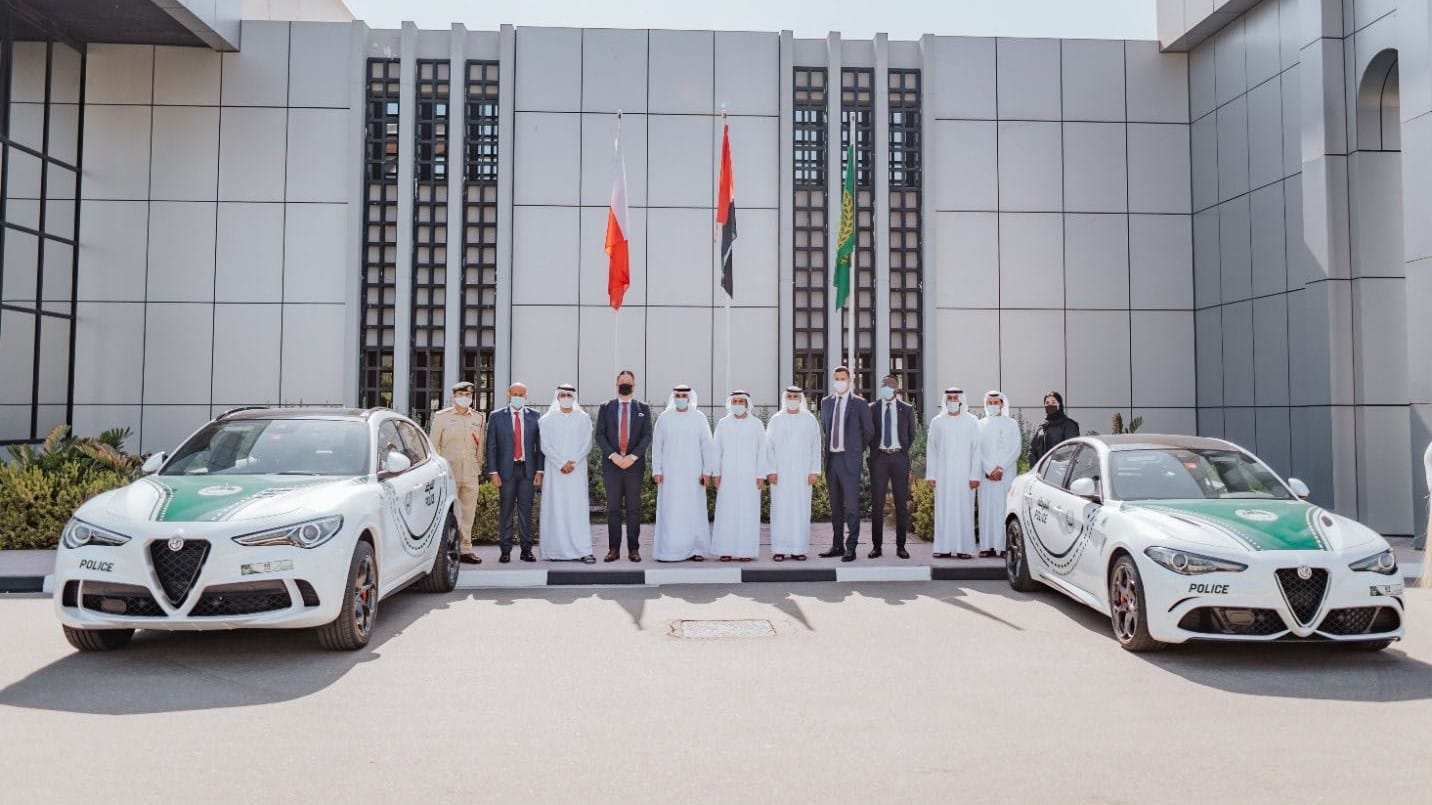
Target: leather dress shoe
(505, 557)
(612, 556)
(527, 557)
(848, 557)
(634, 556)
(875, 553)
(832, 552)
(902, 553)
(470, 559)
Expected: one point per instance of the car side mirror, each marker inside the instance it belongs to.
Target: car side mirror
(152, 464)
(394, 462)
(1085, 488)
(1299, 488)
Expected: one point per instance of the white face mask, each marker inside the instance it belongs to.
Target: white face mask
(739, 409)
(681, 403)
(841, 386)
(565, 403)
(462, 401)
(793, 405)
(991, 410)
(952, 406)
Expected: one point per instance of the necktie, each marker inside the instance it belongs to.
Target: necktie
(624, 430)
(839, 423)
(889, 424)
(517, 435)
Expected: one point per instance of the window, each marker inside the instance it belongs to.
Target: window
(274, 447)
(1177, 474)
(478, 333)
(1056, 464)
(389, 440)
(809, 136)
(1086, 465)
(906, 231)
(415, 445)
(430, 233)
(379, 287)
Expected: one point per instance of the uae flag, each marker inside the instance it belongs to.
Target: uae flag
(726, 210)
(618, 261)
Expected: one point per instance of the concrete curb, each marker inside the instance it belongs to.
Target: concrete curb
(656, 577)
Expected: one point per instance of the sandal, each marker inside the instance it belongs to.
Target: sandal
(940, 555)
(697, 558)
(725, 558)
(744, 559)
(800, 557)
(986, 554)
(963, 556)
(780, 557)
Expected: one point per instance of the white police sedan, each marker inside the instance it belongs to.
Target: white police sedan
(263, 518)
(1181, 538)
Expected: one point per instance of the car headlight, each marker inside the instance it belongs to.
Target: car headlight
(1384, 563)
(1191, 564)
(308, 534)
(78, 534)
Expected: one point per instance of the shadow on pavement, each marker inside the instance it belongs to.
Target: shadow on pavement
(163, 672)
(1290, 670)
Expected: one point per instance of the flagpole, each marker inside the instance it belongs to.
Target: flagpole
(728, 296)
(617, 312)
(854, 249)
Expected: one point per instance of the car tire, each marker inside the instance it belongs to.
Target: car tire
(98, 639)
(353, 627)
(443, 577)
(1127, 607)
(1016, 561)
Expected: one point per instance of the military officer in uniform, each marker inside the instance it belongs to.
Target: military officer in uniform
(458, 433)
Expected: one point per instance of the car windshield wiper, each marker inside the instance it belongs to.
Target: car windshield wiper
(297, 472)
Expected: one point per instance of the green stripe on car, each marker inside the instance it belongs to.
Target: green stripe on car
(1260, 525)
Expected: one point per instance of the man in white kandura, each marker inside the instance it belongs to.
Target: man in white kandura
(952, 467)
(793, 445)
(566, 515)
(739, 473)
(682, 452)
(1000, 446)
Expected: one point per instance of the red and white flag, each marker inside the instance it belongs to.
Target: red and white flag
(618, 262)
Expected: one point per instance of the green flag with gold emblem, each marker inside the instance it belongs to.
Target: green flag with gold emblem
(845, 246)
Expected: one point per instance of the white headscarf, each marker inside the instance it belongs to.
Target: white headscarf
(804, 406)
(1003, 401)
(556, 407)
(738, 393)
(671, 398)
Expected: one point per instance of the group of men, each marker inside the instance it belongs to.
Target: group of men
(968, 459)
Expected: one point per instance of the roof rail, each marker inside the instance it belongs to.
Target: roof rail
(241, 408)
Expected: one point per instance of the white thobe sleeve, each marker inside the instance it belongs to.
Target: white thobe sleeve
(721, 443)
(1010, 460)
(975, 474)
(709, 457)
(658, 441)
(765, 463)
(814, 447)
(932, 448)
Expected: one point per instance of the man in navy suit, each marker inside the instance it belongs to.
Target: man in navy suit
(894, 421)
(845, 421)
(514, 461)
(624, 429)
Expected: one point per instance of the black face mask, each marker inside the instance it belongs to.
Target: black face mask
(1051, 410)
(624, 389)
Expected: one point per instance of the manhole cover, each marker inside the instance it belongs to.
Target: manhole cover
(709, 630)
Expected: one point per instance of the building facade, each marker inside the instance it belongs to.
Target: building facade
(1206, 233)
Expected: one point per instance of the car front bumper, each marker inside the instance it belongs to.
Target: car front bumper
(142, 584)
(1271, 602)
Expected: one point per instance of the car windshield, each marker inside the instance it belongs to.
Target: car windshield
(1179, 474)
(274, 447)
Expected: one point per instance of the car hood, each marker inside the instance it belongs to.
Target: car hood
(1254, 525)
(210, 498)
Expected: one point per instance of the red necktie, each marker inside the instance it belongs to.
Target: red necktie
(517, 435)
(624, 431)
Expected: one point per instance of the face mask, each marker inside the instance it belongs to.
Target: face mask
(565, 403)
(1051, 410)
(991, 410)
(952, 407)
(887, 393)
(517, 402)
(793, 405)
(738, 409)
(841, 386)
(624, 389)
(462, 402)
(681, 403)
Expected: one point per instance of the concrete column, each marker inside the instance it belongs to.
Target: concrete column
(507, 97)
(834, 160)
(929, 273)
(353, 283)
(880, 224)
(456, 159)
(786, 239)
(407, 126)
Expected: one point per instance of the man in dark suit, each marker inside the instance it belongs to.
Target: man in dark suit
(514, 462)
(624, 429)
(845, 423)
(894, 423)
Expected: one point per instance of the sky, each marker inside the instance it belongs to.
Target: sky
(856, 19)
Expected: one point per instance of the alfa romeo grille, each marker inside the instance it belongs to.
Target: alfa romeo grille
(120, 599)
(177, 570)
(1360, 620)
(1304, 595)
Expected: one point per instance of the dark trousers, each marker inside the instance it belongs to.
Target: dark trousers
(623, 500)
(843, 484)
(889, 470)
(515, 493)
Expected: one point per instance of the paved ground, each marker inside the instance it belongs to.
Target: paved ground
(932, 692)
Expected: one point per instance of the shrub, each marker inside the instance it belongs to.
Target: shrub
(922, 508)
(489, 507)
(40, 487)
